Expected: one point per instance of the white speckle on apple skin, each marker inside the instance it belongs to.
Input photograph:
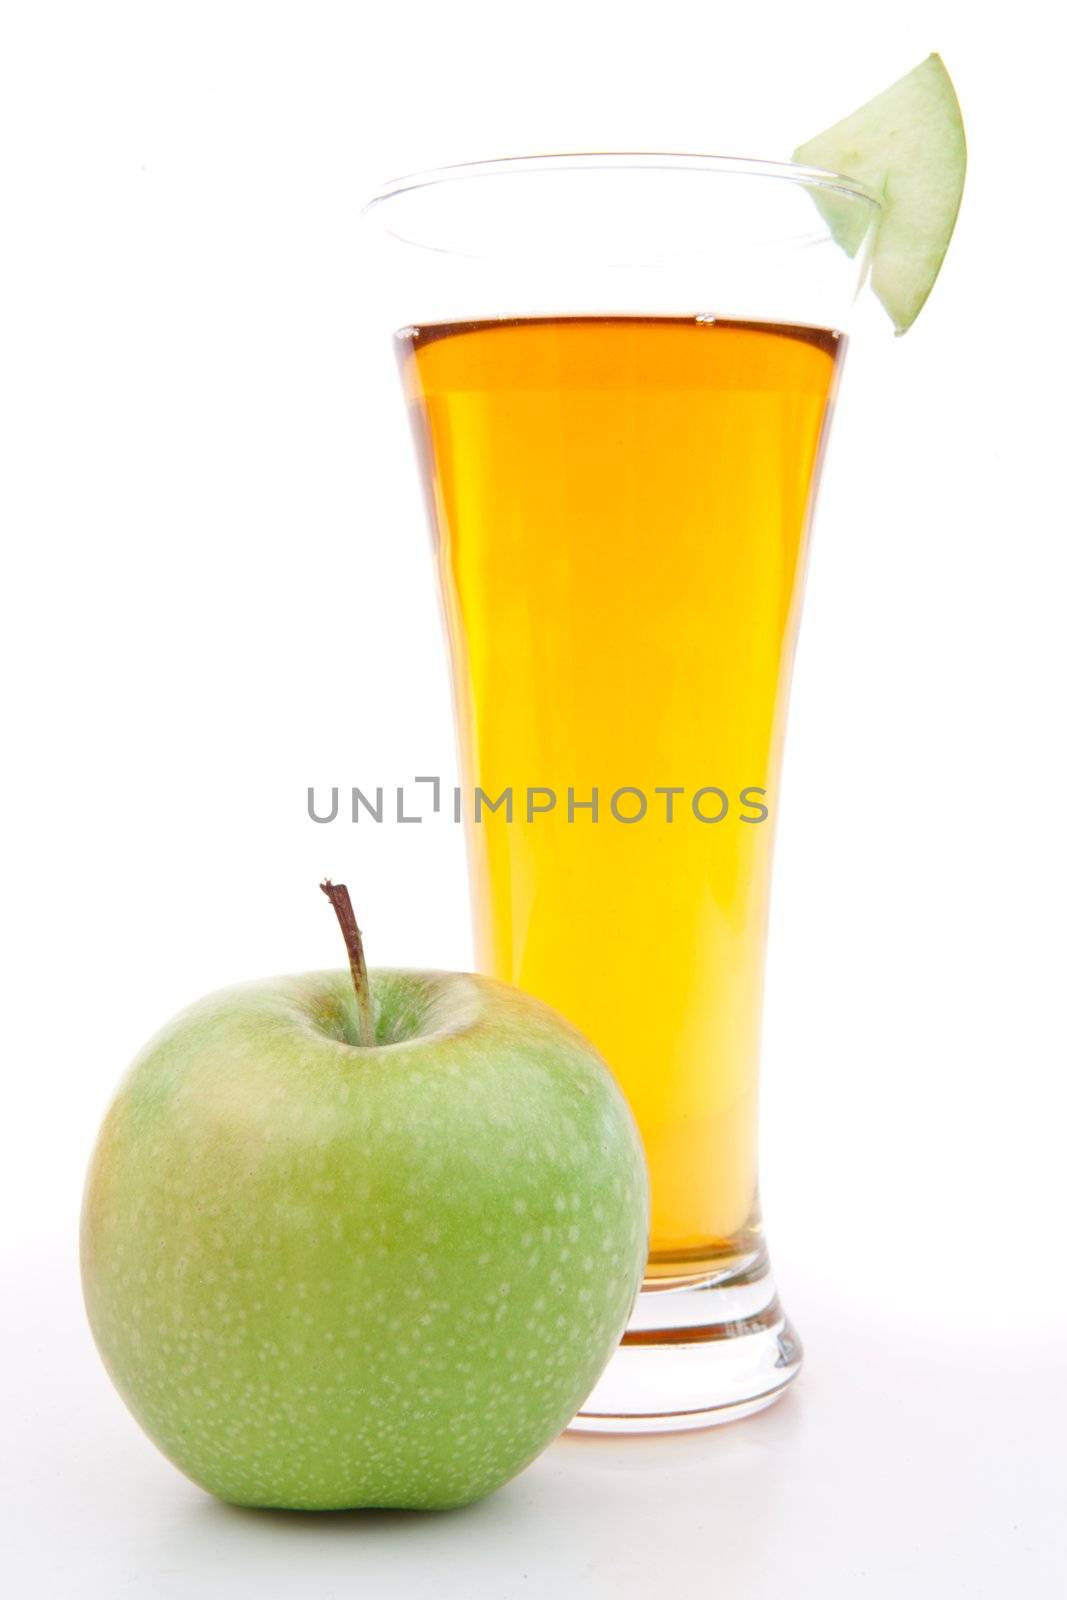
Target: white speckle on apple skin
(388, 1337)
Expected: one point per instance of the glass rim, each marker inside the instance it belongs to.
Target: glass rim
(623, 161)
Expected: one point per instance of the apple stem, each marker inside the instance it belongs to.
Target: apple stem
(338, 896)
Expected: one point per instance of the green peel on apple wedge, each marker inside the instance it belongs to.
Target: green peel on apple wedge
(908, 145)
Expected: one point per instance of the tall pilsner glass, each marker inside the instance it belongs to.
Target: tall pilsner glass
(620, 370)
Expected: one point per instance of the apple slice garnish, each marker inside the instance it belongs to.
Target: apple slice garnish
(908, 145)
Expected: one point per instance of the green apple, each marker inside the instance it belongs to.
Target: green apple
(353, 1241)
(908, 145)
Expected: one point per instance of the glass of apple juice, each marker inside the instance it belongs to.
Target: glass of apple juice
(620, 371)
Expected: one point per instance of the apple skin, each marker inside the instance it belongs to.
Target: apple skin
(327, 1276)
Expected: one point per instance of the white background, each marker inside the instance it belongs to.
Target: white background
(215, 593)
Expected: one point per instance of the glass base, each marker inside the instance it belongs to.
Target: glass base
(696, 1353)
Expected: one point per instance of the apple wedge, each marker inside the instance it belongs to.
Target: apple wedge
(908, 145)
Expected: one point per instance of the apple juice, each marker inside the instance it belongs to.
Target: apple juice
(621, 506)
